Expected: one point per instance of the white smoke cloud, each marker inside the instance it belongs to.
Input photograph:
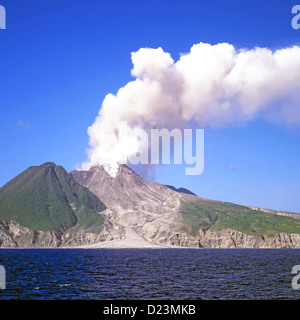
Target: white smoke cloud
(212, 85)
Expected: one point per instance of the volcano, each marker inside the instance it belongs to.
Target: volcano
(135, 206)
(164, 215)
(45, 206)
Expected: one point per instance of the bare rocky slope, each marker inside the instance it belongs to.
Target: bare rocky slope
(148, 208)
(161, 215)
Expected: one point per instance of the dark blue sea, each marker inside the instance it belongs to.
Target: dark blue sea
(149, 274)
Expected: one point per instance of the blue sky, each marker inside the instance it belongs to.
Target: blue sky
(59, 58)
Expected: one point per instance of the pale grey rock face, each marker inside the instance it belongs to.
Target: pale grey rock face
(6, 240)
(150, 209)
(228, 238)
(12, 234)
(127, 190)
(178, 239)
(88, 238)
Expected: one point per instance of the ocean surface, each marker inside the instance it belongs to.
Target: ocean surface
(149, 274)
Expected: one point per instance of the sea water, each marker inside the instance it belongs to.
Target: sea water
(149, 273)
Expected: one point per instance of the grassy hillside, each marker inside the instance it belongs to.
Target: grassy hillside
(220, 215)
(46, 197)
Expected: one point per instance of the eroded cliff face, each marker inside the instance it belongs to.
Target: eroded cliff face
(13, 235)
(178, 239)
(228, 238)
(85, 238)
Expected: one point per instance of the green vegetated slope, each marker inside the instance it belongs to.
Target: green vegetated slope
(219, 215)
(46, 197)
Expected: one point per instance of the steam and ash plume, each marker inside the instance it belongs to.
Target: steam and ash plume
(212, 86)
